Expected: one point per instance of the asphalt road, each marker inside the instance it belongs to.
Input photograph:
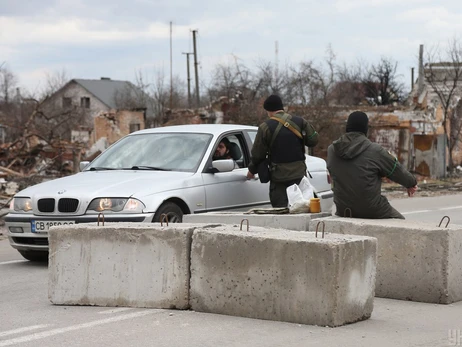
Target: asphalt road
(432, 209)
(27, 318)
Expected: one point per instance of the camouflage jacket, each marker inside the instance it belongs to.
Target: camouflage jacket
(282, 171)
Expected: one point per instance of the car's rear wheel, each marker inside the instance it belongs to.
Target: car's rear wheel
(173, 212)
(34, 255)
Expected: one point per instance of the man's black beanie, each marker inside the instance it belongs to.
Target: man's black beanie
(273, 103)
(357, 122)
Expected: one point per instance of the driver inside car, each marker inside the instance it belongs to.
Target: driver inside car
(222, 151)
(227, 150)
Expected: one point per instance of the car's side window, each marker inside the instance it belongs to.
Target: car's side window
(235, 143)
(236, 150)
(252, 135)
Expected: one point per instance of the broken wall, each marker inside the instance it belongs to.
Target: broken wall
(114, 125)
(395, 140)
(430, 154)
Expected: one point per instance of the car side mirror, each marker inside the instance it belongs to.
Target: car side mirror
(224, 165)
(83, 165)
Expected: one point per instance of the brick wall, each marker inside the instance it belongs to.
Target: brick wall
(114, 125)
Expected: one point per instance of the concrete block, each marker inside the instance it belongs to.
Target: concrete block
(416, 261)
(134, 265)
(299, 222)
(283, 275)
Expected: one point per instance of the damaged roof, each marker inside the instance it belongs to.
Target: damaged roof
(105, 89)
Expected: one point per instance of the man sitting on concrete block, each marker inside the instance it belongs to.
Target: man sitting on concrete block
(357, 166)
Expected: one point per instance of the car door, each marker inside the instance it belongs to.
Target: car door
(230, 190)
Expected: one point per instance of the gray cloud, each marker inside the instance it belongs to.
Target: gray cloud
(115, 37)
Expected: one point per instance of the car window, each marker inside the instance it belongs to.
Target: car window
(162, 151)
(252, 135)
(237, 151)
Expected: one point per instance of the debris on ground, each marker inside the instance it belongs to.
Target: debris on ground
(275, 210)
(426, 187)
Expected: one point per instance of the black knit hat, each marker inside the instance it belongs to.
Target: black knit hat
(273, 103)
(357, 122)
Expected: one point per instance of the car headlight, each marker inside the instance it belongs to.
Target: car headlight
(128, 205)
(21, 204)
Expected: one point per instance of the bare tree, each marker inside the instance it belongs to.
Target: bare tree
(55, 81)
(456, 127)
(231, 80)
(241, 89)
(300, 84)
(28, 116)
(159, 91)
(267, 80)
(8, 84)
(135, 98)
(13, 111)
(382, 84)
(348, 89)
(153, 97)
(29, 124)
(311, 83)
(443, 72)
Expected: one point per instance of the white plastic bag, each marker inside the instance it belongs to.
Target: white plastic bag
(306, 188)
(299, 196)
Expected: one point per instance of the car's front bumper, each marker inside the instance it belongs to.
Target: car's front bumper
(25, 239)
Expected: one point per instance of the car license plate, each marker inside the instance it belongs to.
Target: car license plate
(42, 226)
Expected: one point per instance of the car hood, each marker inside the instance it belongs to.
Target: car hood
(110, 183)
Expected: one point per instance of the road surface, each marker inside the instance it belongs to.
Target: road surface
(27, 318)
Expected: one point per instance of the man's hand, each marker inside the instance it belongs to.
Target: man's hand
(250, 175)
(411, 191)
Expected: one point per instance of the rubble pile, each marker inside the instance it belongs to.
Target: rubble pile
(25, 163)
(426, 187)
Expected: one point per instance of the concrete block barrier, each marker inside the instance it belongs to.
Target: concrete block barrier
(134, 265)
(416, 261)
(299, 222)
(283, 275)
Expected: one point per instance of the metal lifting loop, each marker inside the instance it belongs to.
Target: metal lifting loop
(323, 228)
(345, 212)
(102, 215)
(242, 221)
(163, 217)
(441, 221)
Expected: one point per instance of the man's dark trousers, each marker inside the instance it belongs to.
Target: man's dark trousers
(278, 192)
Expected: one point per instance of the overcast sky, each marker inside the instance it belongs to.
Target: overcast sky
(116, 38)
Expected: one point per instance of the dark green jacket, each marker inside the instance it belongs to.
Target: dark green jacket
(281, 171)
(357, 166)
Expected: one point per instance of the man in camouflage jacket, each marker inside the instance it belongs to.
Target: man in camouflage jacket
(286, 150)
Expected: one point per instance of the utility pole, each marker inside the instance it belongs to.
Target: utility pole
(171, 71)
(189, 78)
(412, 79)
(420, 81)
(276, 67)
(195, 69)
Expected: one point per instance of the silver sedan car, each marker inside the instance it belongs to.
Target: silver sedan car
(148, 175)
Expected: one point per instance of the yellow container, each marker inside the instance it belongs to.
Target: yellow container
(315, 205)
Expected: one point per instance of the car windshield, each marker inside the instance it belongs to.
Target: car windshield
(157, 151)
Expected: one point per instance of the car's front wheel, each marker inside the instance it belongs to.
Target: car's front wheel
(34, 255)
(173, 212)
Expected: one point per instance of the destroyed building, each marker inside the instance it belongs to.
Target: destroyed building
(105, 110)
(78, 121)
